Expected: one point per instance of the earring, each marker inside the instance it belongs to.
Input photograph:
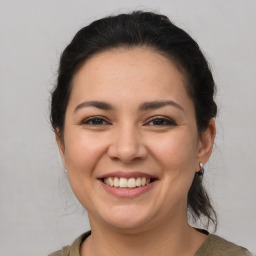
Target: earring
(65, 170)
(201, 172)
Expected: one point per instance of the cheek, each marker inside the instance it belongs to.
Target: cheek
(176, 156)
(82, 152)
(176, 153)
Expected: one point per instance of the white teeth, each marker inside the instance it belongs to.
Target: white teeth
(116, 182)
(138, 182)
(131, 183)
(123, 183)
(111, 182)
(126, 183)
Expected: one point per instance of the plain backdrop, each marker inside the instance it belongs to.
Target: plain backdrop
(38, 213)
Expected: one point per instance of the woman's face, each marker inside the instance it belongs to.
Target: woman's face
(130, 120)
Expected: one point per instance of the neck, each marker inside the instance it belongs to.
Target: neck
(161, 241)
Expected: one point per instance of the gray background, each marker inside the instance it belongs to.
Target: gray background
(38, 213)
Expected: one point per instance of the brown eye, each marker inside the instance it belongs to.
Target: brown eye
(97, 121)
(161, 121)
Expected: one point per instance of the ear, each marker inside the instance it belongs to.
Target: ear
(206, 144)
(60, 143)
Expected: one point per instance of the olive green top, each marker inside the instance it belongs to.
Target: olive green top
(212, 246)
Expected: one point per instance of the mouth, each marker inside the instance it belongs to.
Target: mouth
(132, 182)
(127, 184)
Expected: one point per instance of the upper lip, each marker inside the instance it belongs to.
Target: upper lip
(127, 175)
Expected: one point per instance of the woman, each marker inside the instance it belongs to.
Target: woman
(133, 113)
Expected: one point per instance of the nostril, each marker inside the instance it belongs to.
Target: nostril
(127, 149)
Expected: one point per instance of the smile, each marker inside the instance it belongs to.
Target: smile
(127, 183)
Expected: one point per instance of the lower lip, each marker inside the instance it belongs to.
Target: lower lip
(127, 192)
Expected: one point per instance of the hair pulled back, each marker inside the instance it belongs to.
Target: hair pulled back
(157, 32)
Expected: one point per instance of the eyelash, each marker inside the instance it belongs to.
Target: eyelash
(164, 121)
(88, 121)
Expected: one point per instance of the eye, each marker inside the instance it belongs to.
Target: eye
(95, 121)
(161, 121)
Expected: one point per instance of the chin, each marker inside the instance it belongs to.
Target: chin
(127, 218)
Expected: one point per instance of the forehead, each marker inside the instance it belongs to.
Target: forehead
(121, 73)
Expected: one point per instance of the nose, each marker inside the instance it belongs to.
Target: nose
(127, 146)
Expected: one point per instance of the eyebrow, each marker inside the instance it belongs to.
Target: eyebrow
(97, 104)
(159, 104)
(151, 105)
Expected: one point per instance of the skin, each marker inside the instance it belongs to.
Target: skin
(162, 142)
